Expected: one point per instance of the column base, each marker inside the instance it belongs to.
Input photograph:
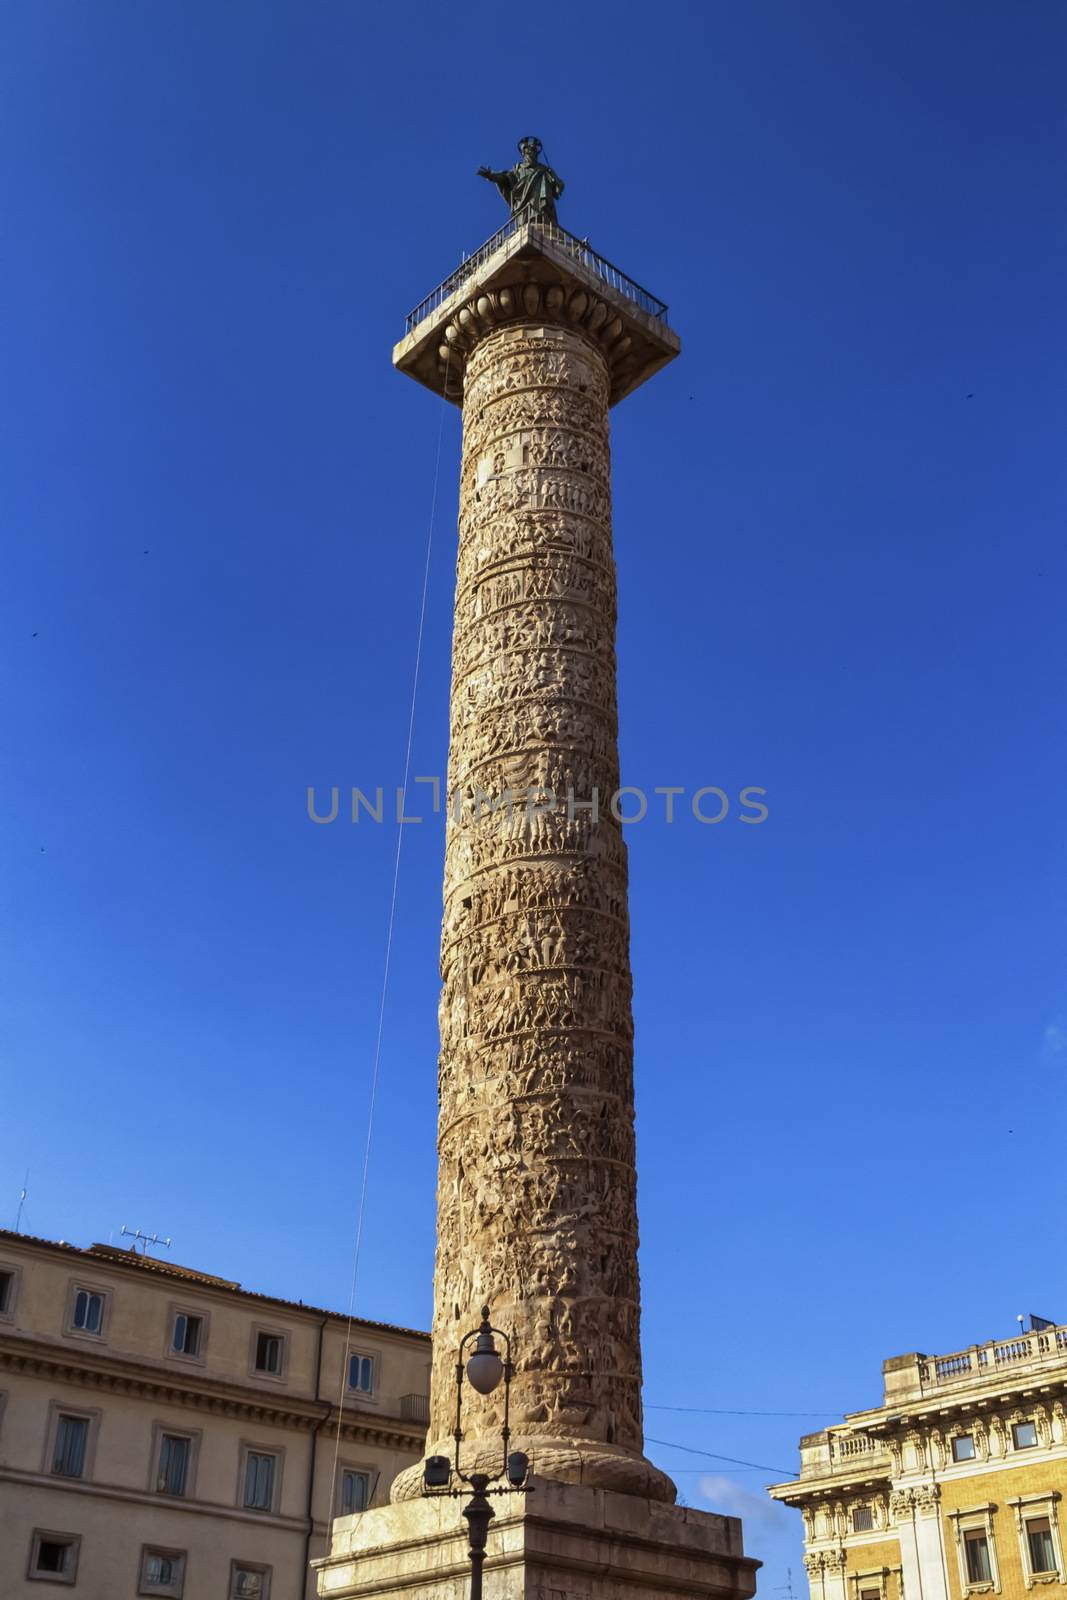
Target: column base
(580, 1461)
(560, 1542)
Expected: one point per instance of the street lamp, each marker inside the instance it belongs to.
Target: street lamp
(484, 1370)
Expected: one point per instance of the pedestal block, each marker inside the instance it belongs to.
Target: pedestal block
(562, 1542)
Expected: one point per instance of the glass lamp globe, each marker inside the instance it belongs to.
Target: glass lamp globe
(485, 1368)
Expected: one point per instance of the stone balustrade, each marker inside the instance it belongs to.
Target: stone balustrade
(984, 1360)
(841, 1451)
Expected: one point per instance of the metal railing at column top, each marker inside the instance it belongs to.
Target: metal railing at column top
(581, 249)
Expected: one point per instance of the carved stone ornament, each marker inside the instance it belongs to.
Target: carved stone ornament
(537, 1212)
(900, 1504)
(556, 302)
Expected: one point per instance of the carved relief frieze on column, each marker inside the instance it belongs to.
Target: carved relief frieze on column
(537, 1188)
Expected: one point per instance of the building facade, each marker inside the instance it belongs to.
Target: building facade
(165, 1432)
(953, 1487)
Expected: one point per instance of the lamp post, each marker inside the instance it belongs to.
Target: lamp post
(484, 1371)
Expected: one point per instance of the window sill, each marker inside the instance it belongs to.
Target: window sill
(279, 1378)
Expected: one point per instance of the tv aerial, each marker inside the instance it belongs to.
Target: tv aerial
(144, 1239)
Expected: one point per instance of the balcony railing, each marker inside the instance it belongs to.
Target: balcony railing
(985, 1359)
(579, 248)
(415, 1407)
(842, 1453)
(852, 1444)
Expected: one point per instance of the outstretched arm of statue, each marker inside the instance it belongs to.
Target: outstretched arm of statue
(487, 172)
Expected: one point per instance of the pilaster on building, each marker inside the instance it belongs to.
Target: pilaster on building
(953, 1487)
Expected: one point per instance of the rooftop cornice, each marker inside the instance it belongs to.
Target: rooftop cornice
(121, 1375)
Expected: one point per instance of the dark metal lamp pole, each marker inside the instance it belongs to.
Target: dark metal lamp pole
(484, 1370)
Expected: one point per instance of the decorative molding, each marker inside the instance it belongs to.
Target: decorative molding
(560, 302)
(144, 1497)
(201, 1394)
(1042, 1502)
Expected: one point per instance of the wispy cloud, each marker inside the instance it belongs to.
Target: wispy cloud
(732, 1499)
(1053, 1041)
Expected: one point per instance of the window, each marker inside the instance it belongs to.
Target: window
(175, 1450)
(1040, 1545)
(72, 1437)
(88, 1313)
(162, 1572)
(259, 1481)
(7, 1291)
(249, 1582)
(1024, 1435)
(188, 1332)
(269, 1353)
(355, 1492)
(963, 1447)
(361, 1373)
(54, 1556)
(976, 1553)
(862, 1519)
(870, 1594)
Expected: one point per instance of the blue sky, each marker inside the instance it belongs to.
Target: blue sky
(839, 533)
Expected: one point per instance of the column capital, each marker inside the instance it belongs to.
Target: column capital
(536, 273)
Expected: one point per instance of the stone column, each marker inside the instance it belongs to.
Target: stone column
(537, 1189)
(536, 1208)
(536, 1196)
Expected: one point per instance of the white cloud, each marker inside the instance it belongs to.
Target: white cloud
(1053, 1040)
(732, 1499)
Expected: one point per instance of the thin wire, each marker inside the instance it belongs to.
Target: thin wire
(761, 1466)
(712, 1411)
(388, 946)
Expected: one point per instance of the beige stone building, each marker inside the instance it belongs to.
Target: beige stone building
(953, 1487)
(166, 1432)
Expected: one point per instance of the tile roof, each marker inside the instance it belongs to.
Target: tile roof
(132, 1259)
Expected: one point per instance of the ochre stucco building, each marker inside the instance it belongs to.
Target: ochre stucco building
(165, 1432)
(952, 1487)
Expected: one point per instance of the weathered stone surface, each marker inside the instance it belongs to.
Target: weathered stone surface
(561, 1542)
(537, 273)
(537, 1191)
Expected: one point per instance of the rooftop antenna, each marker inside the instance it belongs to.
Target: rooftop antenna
(786, 1588)
(22, 1201)
(145, 1239)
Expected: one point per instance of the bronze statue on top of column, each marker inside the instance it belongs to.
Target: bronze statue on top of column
(531, 188)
